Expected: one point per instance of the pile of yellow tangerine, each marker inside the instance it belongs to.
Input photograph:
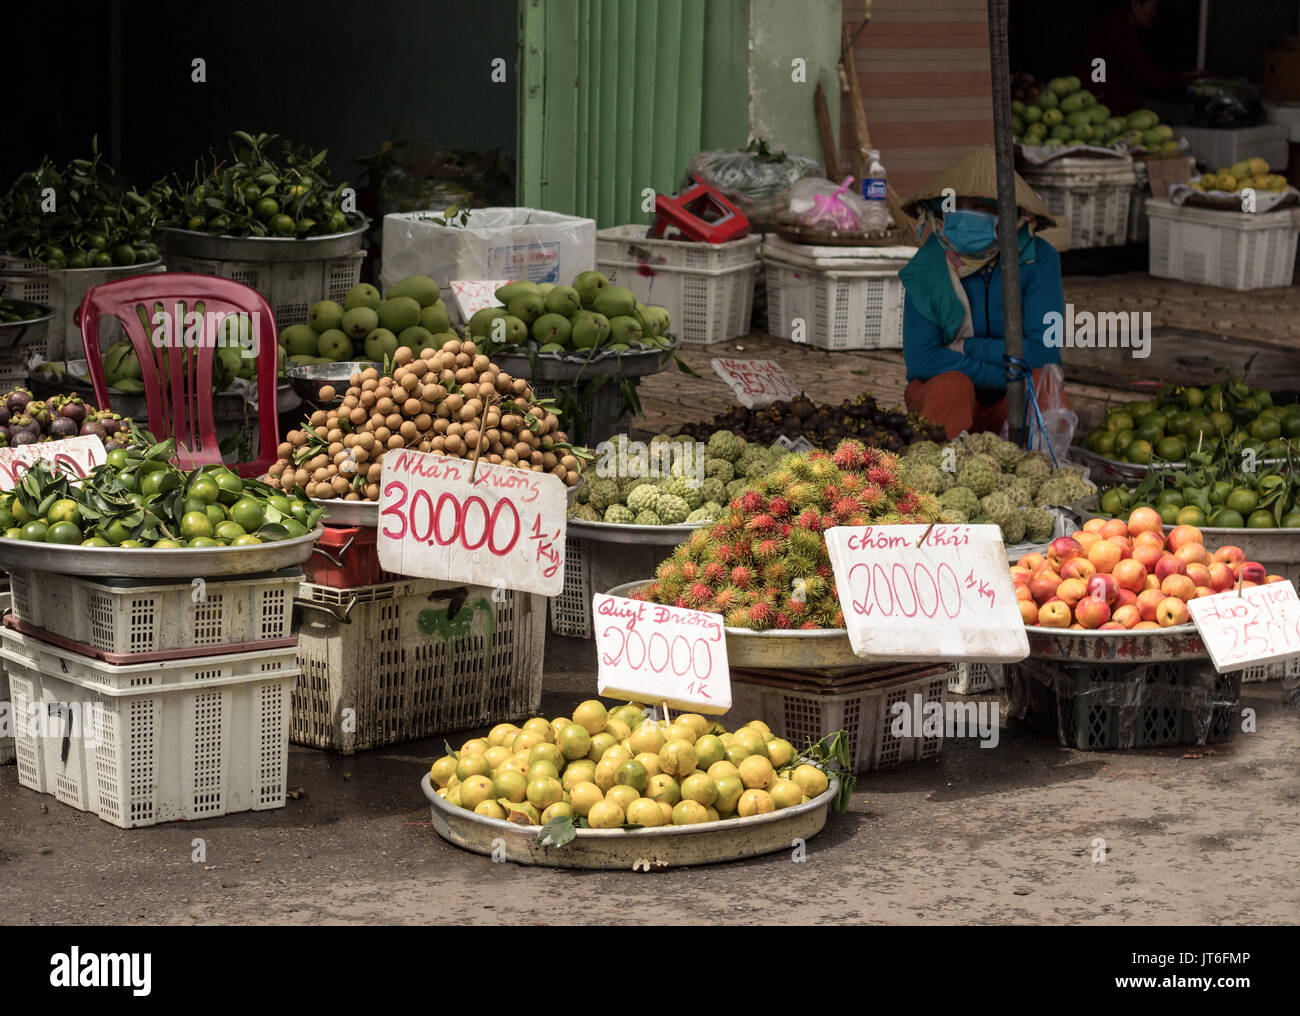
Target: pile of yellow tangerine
(619, 768)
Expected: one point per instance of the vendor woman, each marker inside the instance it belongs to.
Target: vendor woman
(952, 312)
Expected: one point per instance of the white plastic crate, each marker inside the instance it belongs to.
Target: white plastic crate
(289, 287)
(62, 291)
(1271, 671)
(809, 255)
(124, 617)
(384, 664)
(1231, 250)
(1219, 147)
(1093, 193)
(974, 678)
(708, 289)
(866, 715)
(155, 742)
(595, 566)
(840, 309)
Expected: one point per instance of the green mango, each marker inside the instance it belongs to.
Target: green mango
(552, 329)
(1032, 114)
(435, 318)
(1099, 114)
(625, 330)
(335, 345)
(589, 285)
(589, 329)
(1072, 103)
(563, 300)
(1061, 87)
(399, 313)
(130, 385)
(1077, 119)
(480, 324)
(513, 289)
(615, 301)
(363, 294)
(300, 340)
(525, 305)
(420, 288)
(1142, 119)
(414, 338)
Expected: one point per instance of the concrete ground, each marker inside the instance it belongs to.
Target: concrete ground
(979, 836)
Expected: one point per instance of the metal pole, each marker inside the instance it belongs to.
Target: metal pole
(1008, 215)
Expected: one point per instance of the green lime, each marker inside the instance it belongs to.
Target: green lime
(98, 240)
(115, 533)
(1261, 518)
(205, 489)
(202, 541)
(36, 530)
(300, 511)
(1114, 501)
(124, 254)
(63, 532)
(229, 530)
(13, 533)
(1171, 496)
(130, 480)
(95, 541)
(130, 544)
(1226, 518)
(267, 207)
(1291, 520)
(1139, 451)
(279, 502)
(153, 482)
(1190, 516)
(7, 520)
(117, 458)
(21, 515)
(101, 259)
(247, 540)
(216, 514)
(1171, 449)
(1119, 420)
(230, 487)
(283, 225)
(1242, 500)
(195, 525)
(248, 513)
(294, 528)
(167, 545)
(1123, 438)
(193, 504)
(1168, 512)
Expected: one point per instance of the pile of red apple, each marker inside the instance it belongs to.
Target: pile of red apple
(1114, 575)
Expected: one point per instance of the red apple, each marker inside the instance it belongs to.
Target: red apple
(1202, 591)
(1229, 554)
(1125, 598)
(1105, 554)
(1085, 539)
(1023, 593)
(1071, 591)
(1111, 626)
(1043, 585)
(1172, 611)
(1127, 616)
(1092, 612)
(1221, 577)
(1054, 614)
(1148, 600)
(1145, 625)
(1270, 579)
(1063, 548)
(1031, 562)
(1192, 553)
(1179, 586)
(1153, 581)
(1078, 568)
(1124, 544)
(1113, 527)
(1094, 525)
(1028, 611)
(1199, 573)
(1253, 571)
(1145, 520)
(1169, 565)
(1130, 574)
(1181, 535)
(1147, 554)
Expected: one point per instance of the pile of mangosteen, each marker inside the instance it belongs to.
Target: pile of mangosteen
(25, 420)
(823, 426)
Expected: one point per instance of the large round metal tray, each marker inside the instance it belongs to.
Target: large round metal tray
(1275, 544)
(827, 649)
(554, 367)
(730, 839)
(14, 332)
(610, 532)
(145, 562)
(307, 381)
(1150, 645)
(188, 243)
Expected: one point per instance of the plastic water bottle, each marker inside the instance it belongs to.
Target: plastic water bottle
(875, 188)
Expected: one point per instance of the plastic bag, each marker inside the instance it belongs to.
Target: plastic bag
(1059, 420)
(820, 204)
(756, 180)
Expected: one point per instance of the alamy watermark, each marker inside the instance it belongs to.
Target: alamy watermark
(919, 718)
(1108, 330)
(192, 329)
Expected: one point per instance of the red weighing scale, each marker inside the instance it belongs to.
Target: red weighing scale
(698, 213)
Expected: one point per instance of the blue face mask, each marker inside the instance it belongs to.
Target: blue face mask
(970, 232)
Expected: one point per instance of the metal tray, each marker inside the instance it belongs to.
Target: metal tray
(309, 380)
(145, 562)
(554, 367)
(828, 649)
(1151, 645)
(14, 332)
(188, 243)
(658, 848)
(610, 532)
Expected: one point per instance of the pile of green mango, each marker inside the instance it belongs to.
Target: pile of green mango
(590, 315)
(1065, 113)
(367, 326)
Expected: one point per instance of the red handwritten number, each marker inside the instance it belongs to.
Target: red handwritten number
(515, 533)
(892, 585)
(681, 656)
(607, 659)
(917, 571)
(421, 497)
(396, 509)
(956, 590)
(911, 590)
(445, 522)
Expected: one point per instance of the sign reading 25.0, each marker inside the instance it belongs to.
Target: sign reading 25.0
(504, 527)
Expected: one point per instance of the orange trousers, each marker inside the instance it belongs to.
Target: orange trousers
(949, 399)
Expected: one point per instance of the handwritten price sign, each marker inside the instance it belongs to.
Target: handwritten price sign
(1260, 625)
(927, 593)
(74, 456)
(506, 526)
(472, 296)
(648, 652)
(757, 383)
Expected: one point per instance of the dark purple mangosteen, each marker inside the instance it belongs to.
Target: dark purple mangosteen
(94, 427)
(62, 427)
(4, 415)
(74, 411)
(17, 400)
(111, 425)
(22, 437)
(112, 446)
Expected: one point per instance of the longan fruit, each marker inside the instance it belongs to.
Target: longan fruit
(481, 363)
(358, 415)
(452, 346)
(410, 431)
(470, 410)
(432, 392)
(392, 421)
(423, 421)
(317, 418)
(355, 379)
(519, 386)
(453, 402)
(469, 390)
(396, 441)
(368, 399)
(441, 424)
(535, 458)
(403, 355)
(495, 459)
(437, 444)
(341, 486)
(471, 439)
(374, 471)
(549, 460)
(419, 368)
(559, 471)
(469, 347)
(370, 374)
(372, 491)
(381, 436)
(504, 383)
(457, 428)
(276, 469)
(285, 450)
(428, 354)
(369, 385)
(411, 407)
(510, 455)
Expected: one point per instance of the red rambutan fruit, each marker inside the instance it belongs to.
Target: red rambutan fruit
(741, 577)
(778, 507)
(713, 572)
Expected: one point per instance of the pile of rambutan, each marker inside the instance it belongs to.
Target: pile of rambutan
(763, 564)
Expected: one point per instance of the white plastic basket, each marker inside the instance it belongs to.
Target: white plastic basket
(866, 715)
(974, 678)
(840, 309)
(1231, 250)
(708, 289)
(382, 664)
(1289, 667)
(1093, 193)
(289, 287)
(156, 742)
(62, 291)
(121, 618)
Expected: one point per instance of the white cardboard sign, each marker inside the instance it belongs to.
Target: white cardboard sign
(757, 383)
(474, 295)
(74, 456)
(504, 528)
(1258, 626)
(652, 653)
(927, 593)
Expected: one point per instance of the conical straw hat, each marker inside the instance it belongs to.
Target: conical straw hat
(976, 176)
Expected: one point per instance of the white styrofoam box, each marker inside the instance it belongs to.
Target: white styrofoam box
(1219, 147)
(1285, 114)
(865, 715)
(384, 664)
(495, 243)
(1231, 250)
(155, 742)
(841, 309)
(288, 287)
(62, 290)
(1093, 193)
(145, 617)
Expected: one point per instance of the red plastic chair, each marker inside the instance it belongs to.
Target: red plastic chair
(182, 407)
